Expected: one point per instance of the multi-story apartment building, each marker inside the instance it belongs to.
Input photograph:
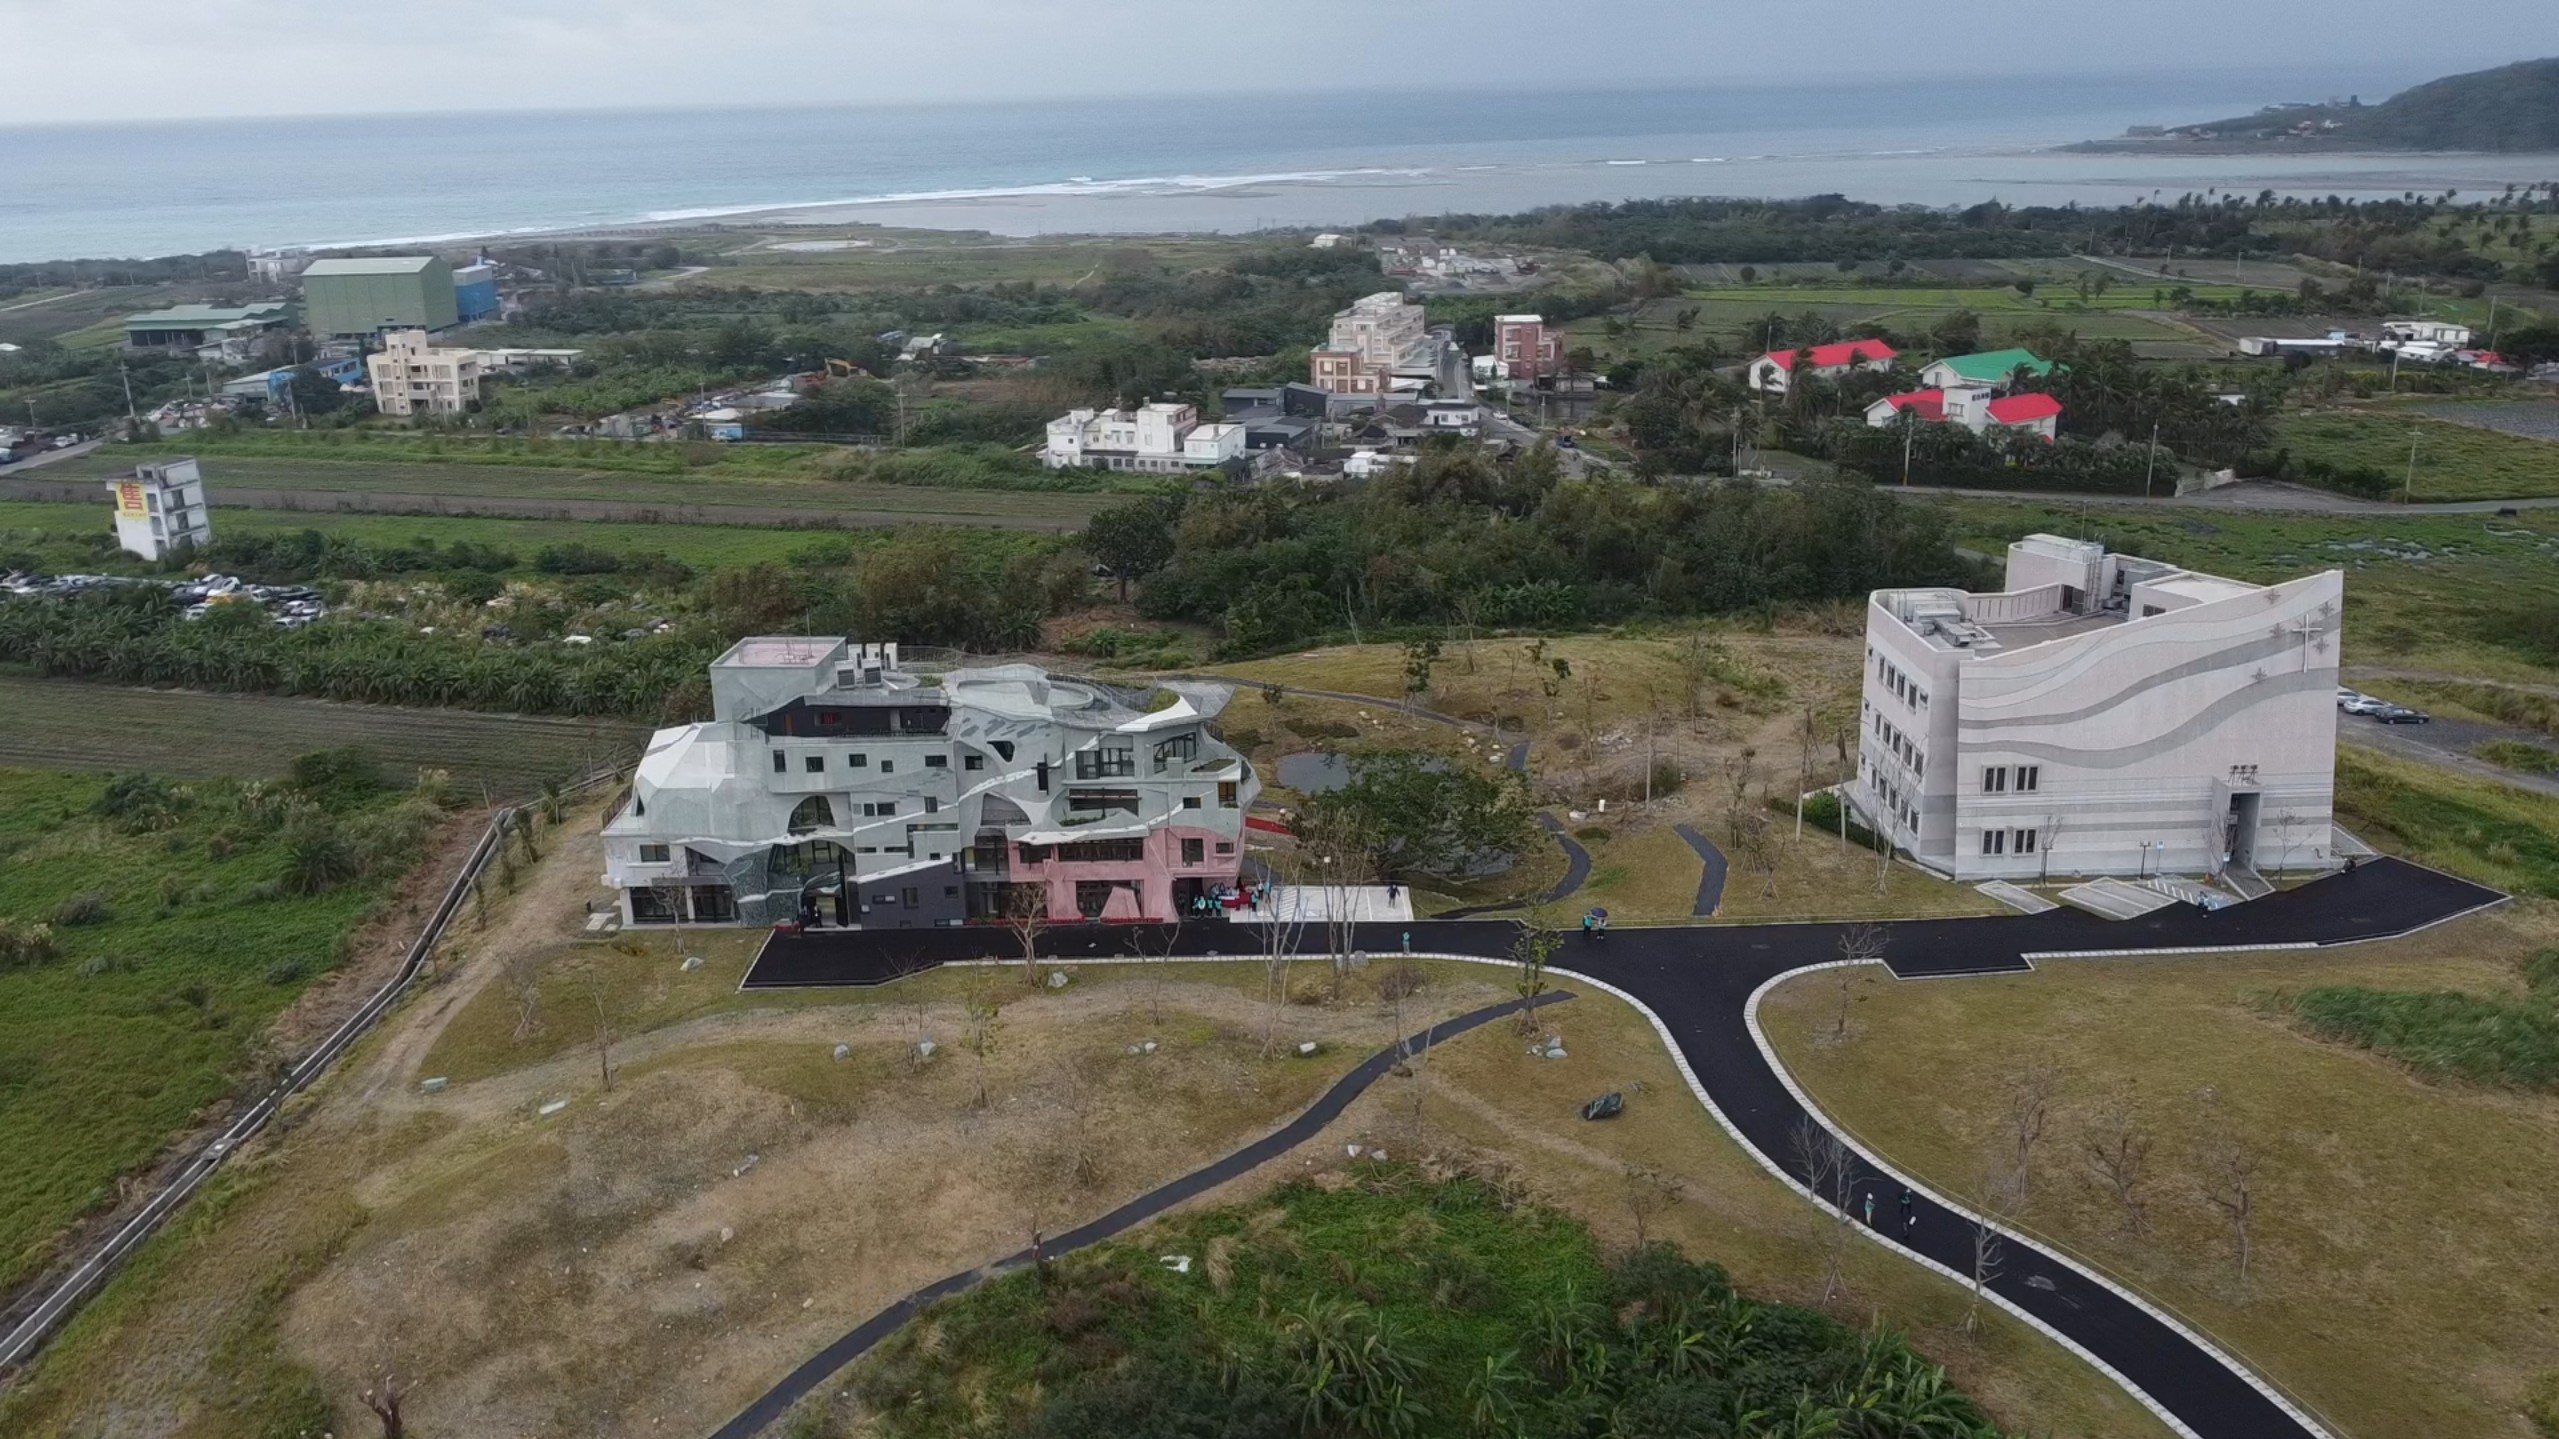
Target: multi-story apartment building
(160, 509)
(1370, 342)
(831, 787)
(411, 376)
(2102, 715)
(1524, 350)
(1159, 438)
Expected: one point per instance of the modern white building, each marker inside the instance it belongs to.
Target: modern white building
(160, 508)
(1160, 438)
(830, 787)
(2102, 715)
(411, 375)
(1381, 343)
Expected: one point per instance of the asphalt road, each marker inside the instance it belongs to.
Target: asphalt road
(1701, 986)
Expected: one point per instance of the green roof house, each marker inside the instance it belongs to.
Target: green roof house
(1991, 369)
(351, 298)
(192, 327)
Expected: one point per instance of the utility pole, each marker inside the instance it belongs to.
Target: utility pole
(126, 373)
(1909, 428)
(2409, 495)
(2151, 471)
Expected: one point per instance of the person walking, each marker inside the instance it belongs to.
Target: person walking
(1909, 1215)
(1870, 1209)
(1408, 941)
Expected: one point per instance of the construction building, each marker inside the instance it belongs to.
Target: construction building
(2103, 715)
(160, 509)
(832, 788)
(413, 376)
(349, 299)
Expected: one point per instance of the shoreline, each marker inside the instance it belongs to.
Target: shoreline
(1347, 198)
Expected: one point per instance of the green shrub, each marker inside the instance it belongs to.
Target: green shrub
(2505, 1043)
(339, 776)
(2517, 755)
(87, 907)
(24, 943)
(319, 856)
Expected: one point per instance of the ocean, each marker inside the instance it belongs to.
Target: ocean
(1153, 164)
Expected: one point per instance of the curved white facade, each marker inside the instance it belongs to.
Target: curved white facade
(2103, 715)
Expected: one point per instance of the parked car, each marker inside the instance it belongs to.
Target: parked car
(2399, 714)
(2355, 703)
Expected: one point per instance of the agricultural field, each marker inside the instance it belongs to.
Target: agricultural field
(65, 537)
(152, 931)
(916, 259)
(2397, 1277)
(456, 484)
(2468, 458)
(60, 724)
(2476, 594)
(1729, 316)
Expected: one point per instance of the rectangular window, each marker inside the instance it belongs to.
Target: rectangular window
(973, 761)
(1182, 747)
(1033, 853)
(1116, 763)
(781, 763)
(1226, 846)
(653, 854)
(1101, 801)
(932, 805)
(888, 766)
(1190, 801)
(2025, 841)
(814, 764)
(857, 761)
(1994, 779)
(937, 761)
(1103, 851)
(1194, 851)
(1226, 792)
(1994, 841)
(2028, 777)
(912, 896)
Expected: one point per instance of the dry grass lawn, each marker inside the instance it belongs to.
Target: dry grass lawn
(653, 1255)
(2402, 1277)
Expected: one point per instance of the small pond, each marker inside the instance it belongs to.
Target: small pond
(1314, 772)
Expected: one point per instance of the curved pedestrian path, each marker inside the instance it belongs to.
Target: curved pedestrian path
(1701, 987)
(769, 1407)
(1710, 885)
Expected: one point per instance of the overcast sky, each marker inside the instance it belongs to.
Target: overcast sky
(108, 59)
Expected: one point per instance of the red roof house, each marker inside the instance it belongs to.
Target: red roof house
(1771, 371)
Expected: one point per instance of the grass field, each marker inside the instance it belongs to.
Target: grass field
(918, 259)
(2463, 593)
(2453, 461)
(151, 1008)
(2400, 1279)
(76, 725)
(707, 497)
(2493, 833)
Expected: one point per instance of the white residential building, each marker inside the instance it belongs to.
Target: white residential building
(830, 787)
(2102, 715)
(1160, 438)
(160, 508)
(412, 376)
(1379, 338)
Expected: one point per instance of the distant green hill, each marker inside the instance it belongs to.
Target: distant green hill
(2512, 108)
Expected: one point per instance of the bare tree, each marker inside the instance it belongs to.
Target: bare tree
(599, 995)
(2117, 1142)
(1759, 851)
(669, 892)
(1649, 1192)
(1026, 916)
(1995, 1201)
(1335, 850)
(2230, 1184)
(1808, 739)
(1830, 1172)
(1532, 946)
(383, 1399)
(1859, 945)
(1739, 773)
(2053, 824)
(1154, 945)
(985, 1013)
(1279, 933)
(1071, 1085)
(522, 977)
(2026, 1104)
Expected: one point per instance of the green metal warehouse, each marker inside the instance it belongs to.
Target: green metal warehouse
(390, 292)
